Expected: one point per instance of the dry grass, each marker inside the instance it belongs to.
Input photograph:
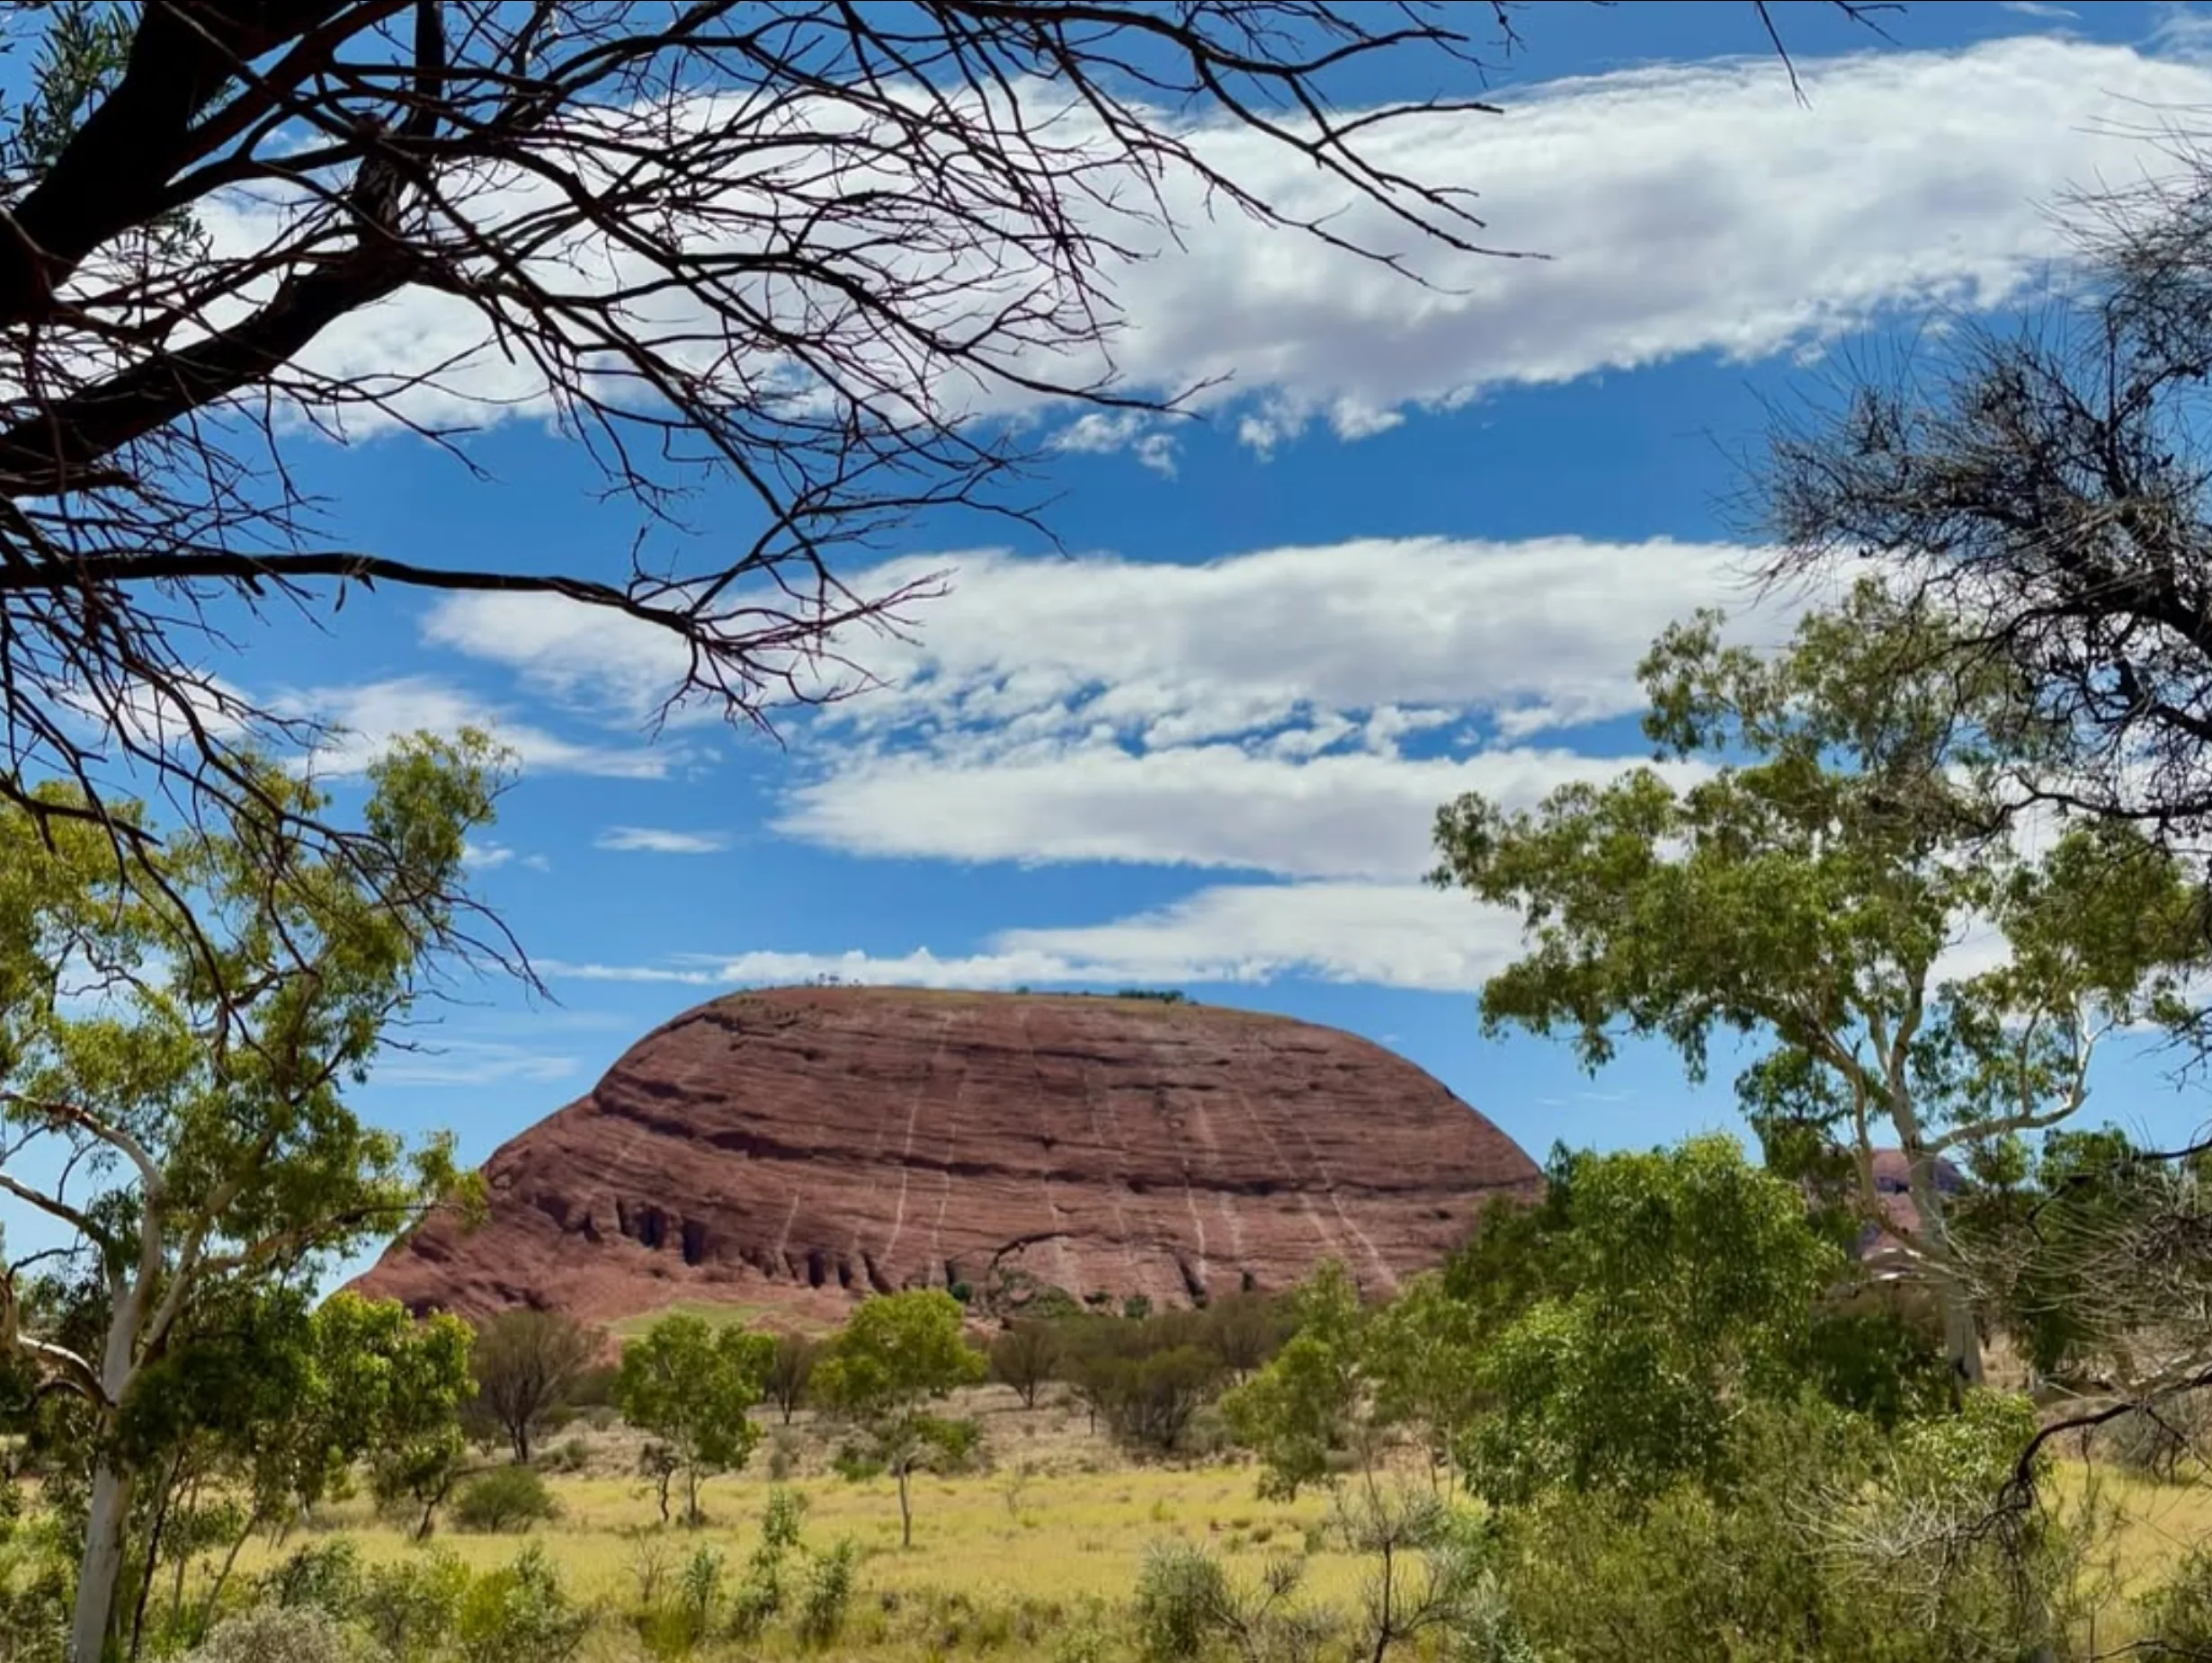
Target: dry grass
(1056, 1526)
(1058, 1517)
(1067, 1538)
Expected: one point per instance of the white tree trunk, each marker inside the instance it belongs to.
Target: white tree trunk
(1962, 1340)
(101, 1568)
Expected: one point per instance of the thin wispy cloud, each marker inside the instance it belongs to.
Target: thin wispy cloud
(660, 841)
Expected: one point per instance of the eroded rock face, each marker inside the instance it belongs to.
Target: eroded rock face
(796, 1149)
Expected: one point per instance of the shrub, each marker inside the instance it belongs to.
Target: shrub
(700, 1588)
(1181, 1596)
(2176, 1616)
(410, 1606)
(1149, 1403)
(759, 1597)
(280, 1634)
(1025, 1357)
(573, 1456)
(790, 1371)
(324, 1575)
(519, 1614)
(505, 1498)
(829, 1594)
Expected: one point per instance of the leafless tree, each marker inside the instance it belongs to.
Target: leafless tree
(799, 245)
(2049, 483)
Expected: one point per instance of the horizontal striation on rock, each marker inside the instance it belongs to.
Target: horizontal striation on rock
(801, 1147)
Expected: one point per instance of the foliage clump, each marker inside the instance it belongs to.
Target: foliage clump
(505, 1498)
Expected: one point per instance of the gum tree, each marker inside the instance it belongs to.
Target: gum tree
(1854, 819)
(693, 1388)
(898, 1354)
(177, 1033)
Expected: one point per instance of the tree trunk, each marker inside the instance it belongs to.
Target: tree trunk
(1385, 1606)
(153, 1553)
(222, 1577)
(1962, 1340)
(101, 1568)
(905, 1510)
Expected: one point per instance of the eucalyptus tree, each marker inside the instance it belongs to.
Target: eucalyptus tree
(1838, 865)
(178, 1031)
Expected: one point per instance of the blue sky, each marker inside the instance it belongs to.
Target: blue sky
(1413, 547)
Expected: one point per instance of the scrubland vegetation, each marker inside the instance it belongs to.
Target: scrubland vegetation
(1662, 1410)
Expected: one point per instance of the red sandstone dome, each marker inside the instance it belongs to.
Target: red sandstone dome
(796, 1149)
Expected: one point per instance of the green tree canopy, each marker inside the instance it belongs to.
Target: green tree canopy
(899, 1354)
(1307, 1402)
(693, 1387)
(178, 1026)
(1684, 1285)
(1832, 818)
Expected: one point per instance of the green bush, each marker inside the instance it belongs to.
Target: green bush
(1824, 1543)
(1181, 1592)
(573, 1455)
(520, 1614)
(411, 1605)
(282, 1634)
(505, 1498)
(759, 1597)
(829, 1594)
(2176, 1617)
(324, 1575)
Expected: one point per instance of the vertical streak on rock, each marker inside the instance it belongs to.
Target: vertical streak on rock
(905, 1151)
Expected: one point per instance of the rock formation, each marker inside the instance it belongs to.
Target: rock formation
(795, 1149)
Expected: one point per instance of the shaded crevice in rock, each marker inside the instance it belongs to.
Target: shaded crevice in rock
(693, 1236)
(876, 1280)
(1193, 1284)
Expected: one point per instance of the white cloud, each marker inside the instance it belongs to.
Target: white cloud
(1254, 712)
(485, 856)
(1393, 935)
(658, 841)
(1685, 210)
(1544, 632)
(565, 651)
(364, 719)
(1203, 805)
(471, 1062)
